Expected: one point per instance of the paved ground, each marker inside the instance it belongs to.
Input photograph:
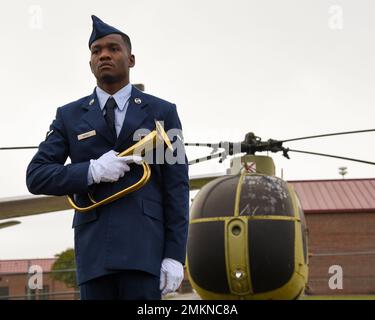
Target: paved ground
(182, 296)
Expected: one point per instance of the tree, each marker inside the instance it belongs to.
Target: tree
(64, 268)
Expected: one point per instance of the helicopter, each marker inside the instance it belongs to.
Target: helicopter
(250, 225)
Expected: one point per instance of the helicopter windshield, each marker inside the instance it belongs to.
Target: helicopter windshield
(265, 195)
(216, 199)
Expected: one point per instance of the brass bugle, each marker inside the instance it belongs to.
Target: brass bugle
(151, 141)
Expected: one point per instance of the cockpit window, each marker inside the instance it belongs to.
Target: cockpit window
(264, 196)
(216, 199)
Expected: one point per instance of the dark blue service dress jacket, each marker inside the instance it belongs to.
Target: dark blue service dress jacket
(136, 231)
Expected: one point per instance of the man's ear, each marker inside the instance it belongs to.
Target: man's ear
(91, 66)
(132, 61)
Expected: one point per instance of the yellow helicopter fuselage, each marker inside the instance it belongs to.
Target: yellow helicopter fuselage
(247, 237)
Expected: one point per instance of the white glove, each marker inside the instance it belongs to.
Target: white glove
(109, 167)
(171, 275)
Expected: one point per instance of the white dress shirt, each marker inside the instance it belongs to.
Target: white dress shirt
(122, 100)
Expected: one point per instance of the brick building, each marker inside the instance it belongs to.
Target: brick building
(340, 216)
(14, 279)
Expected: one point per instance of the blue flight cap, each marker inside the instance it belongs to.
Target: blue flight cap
(100, 29)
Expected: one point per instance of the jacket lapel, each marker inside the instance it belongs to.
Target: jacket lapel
(134, 117)
(94, 116)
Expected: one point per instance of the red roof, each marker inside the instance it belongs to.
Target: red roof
(22, 266)
(344, 195)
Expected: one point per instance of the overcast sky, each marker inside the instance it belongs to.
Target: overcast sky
(281, 69)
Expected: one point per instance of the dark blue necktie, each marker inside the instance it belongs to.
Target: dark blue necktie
(110, 107)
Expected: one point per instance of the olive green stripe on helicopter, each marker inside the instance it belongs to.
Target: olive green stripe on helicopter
(210, 219)
(237, 256)
(271, 249)
(301, 217)
(236, 253)
(206, 256)
(238, 194)
(273, 217)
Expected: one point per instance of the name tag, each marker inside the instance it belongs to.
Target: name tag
(86, 135)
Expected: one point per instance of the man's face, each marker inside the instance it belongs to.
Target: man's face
(111, 59)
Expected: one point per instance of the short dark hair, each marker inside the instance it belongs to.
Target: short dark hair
(127, 41)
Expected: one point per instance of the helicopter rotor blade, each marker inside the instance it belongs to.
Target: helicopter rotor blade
(329, 134)
(331, 156)
(211, 145)
(199, 160)
(17, 148)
